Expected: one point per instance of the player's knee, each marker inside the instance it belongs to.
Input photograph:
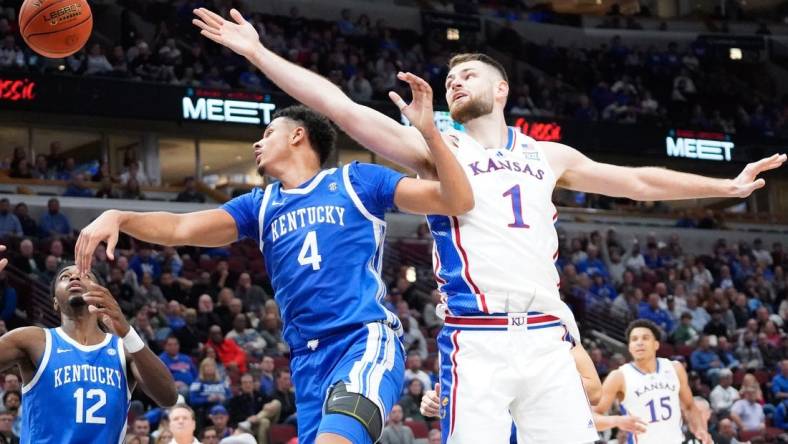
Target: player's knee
(272, 408)
(340, 401)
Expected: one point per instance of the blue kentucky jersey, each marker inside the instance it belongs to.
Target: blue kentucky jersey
(323, 247)
(78, 394)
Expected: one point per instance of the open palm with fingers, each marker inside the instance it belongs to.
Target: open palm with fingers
(238, 35)
(747, 181)
(419, 111)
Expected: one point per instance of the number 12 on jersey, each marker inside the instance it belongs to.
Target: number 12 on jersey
(309, 254)
(517, 207)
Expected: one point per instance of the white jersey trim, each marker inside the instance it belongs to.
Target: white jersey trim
(356, 200)
(122, 357)
(43, 365)
(87, 348)
(261, 214)
(314, 183)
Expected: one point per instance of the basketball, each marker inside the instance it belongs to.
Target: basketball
(55, 28)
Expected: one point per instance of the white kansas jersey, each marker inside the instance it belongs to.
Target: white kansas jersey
(500, 257)
(654, 398)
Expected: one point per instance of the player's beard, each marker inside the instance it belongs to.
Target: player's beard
(472, 108)
(76, 301)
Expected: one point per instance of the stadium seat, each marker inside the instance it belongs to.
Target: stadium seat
(684, 350)
(772, 433)
(754, 435)
(419, 428)
(762, 376)
(665, 350)
(738, 377)
(281, 362)
(281, 433)
(435, 425)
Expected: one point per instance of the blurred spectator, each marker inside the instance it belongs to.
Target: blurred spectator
(395, 431)
(246, 337)
(252, 296)
(77, 187)
(50, 270)
(748, 353)
(229, 353)
(716, 326)
(67, 170)
(181, 366)
(413, 370)
(122, 292)
(106, 190)
(654, 313)
(724, 395)
(780, 382)
(182, 425)
(206, 317)
(134, 172)
(267, 375)
(751, 383)
(131, 190)
(219, 418)
(209, 389)
(747, 413)
(283, 392)
(147, 291)
(9, 223)
(685, 334)
(8, 299)
(705, 361)
(780, 417)
(143, 262)
(97, 62)
(190, 193)
(430, 316)
(29, 226)
(190, 337)
(53, 223)
(272, 333)
(411, 400)
(358, 87)
(141, 429)
(6, 429)
(27, 260)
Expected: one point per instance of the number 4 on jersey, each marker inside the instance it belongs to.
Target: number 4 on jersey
(309, 254)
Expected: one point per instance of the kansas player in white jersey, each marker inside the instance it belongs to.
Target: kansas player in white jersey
(78, 378)
(494, 262)
(321, 233)
(653, 389)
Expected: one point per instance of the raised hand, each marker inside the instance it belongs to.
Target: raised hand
(105, 228)
(101, 302)
(239, 35)
(3, 262)
(747, 181)
(419, 111)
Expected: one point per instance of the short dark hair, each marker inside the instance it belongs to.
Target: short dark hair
(478, 57)
(319, 130)
(208, 429)
(644, 323)
(182, 406)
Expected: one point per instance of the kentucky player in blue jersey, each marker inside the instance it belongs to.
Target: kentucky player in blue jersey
(78, 378)
(322, 233)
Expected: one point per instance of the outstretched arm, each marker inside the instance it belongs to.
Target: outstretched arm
(578, 172)
(211, 228)
(692, 413)
(452, 193)
(372, 129)
(146, 368)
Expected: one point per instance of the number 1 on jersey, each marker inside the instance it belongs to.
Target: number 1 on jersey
(309, 254)
(517, 207)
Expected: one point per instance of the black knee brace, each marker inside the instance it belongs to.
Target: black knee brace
(356, 406)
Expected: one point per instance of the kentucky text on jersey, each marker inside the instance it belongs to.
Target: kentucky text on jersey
(493, 165)
(303, 217)
(656, 385)
(70, 374)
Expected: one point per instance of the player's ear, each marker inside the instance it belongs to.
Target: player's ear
(297, 135)
(54, 304)
(502, 89)
(657, 346)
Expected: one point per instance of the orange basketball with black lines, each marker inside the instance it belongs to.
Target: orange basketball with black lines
(55, 28)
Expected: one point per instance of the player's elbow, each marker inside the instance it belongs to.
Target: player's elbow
(463, 204)
(594, 393)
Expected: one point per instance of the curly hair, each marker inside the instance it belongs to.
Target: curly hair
(319, 130)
